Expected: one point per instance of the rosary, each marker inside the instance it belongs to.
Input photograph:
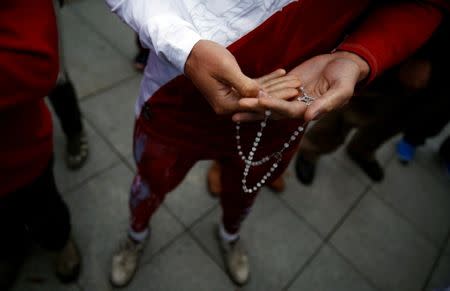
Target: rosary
(277, 156)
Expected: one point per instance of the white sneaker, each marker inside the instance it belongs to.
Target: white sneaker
(125, 262)
(236, 259)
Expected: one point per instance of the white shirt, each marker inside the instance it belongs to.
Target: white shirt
(170, 28)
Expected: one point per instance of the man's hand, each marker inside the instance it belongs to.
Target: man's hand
(215, 72)
(330, 78)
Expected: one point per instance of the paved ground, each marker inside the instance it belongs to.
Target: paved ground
(343, 233)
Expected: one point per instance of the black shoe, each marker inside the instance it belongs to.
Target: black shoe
(371, 167)
(305, 170)
(77, 151)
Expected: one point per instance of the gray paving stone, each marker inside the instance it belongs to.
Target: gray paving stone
(279, 243)
(100, 158)
(182, 266)
(325, 202)
(112, 112)
(131, 162)
(92, 63)
(441, 276)
(37, 274)
(384, 247)
(328, 271)
(190, 200)
(420, 196)
(100, 220)
(106, 23)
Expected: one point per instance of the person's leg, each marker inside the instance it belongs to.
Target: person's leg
(434, 116)
(215, 186)
(47, 220)
(383, 108)
(65, 104)
(14, 240)
(161, 167)
(236, 205)
(325, 136)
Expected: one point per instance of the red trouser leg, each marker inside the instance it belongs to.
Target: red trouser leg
(160, 169)
(236, 204)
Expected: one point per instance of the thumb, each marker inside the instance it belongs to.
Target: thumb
(333, 99)
(245, 86)
(233, 76)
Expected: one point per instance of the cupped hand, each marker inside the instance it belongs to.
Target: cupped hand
(329, 78)
(217, 75)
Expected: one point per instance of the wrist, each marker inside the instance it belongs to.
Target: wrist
(364, 69)
(191, 59)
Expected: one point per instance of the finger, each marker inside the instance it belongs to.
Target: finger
(233, 76)
(252, 104)
(331, 100)
(275, 74)
(287, 109)
(285, 93)
(281, 79)
(286, 84)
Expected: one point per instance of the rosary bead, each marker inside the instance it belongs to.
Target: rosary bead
(277, 156)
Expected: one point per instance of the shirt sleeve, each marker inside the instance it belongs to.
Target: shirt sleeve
(391, 33)
(162, 26)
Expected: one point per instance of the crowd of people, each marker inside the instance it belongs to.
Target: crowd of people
(237, 82)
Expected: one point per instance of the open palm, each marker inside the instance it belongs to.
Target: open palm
(329, 78)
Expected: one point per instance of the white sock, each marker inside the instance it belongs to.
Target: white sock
(138, 236)
(227, 237)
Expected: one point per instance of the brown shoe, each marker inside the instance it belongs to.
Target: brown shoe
(213, 178)
(277, 185)
(68, 262)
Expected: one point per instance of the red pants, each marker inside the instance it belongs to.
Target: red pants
(162, 166)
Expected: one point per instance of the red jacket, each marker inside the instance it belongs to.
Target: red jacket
(28, 71)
